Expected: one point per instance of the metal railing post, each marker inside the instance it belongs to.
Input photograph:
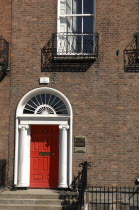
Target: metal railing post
(53, 39)
(137, 40)
(3, 164)
(82, 186)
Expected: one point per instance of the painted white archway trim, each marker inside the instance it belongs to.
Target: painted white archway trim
(22, 131)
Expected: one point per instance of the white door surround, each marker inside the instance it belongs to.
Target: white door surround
(45, 117)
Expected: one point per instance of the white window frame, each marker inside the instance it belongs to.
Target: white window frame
(75, 15)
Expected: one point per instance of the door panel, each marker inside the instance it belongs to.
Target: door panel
(44, 156)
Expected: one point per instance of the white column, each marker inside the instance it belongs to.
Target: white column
(63, 156)
(23, 179)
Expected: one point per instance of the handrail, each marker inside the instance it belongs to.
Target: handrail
(80, 182)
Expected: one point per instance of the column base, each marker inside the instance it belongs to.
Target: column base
(22, 185)
(63, 186)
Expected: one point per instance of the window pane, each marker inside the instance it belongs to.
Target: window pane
(71, 24)
(78, 44)
(88, 24)
(77, 25)
(65, 7)
(88, 6)
(73, 43)
(88, 44)
(68, 6)
(65, 24)
(69, 29)
(76, 6)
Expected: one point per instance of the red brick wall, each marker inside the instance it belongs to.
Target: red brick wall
(104, 99)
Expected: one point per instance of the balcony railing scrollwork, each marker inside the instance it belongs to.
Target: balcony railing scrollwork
(131, 55)
(4, 57)
(69, 52)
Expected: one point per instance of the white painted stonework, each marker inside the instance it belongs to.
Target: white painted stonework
(24, 151)
(23, 138)
(63, 156)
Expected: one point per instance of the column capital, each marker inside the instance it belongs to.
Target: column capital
(23, 126)
(63, 126)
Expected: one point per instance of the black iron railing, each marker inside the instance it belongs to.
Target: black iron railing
(4, 58)
(80, 183)
(131, 55)
(4, 54)
(119, 198)
(2, 172)
(64, 49)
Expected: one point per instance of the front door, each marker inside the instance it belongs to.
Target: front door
(44, 156)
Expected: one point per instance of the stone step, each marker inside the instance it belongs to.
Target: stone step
(37, 196)
(36, 207)
(31, 195)
(37, 201)
(31, 201)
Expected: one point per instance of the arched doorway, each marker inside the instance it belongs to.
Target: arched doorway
(43, 143)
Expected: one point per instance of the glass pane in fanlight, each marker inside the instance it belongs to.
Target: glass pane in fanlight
(88, 6)
(76, 6)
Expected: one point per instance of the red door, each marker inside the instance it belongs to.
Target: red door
(44, 156)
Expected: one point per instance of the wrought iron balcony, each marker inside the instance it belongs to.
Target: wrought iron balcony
(69, 52)
(4, 54)
(4, 58)
(131, 55)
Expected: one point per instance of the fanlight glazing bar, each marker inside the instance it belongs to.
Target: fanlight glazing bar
(45, 104)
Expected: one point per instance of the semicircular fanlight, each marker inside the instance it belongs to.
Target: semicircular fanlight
(45, 104)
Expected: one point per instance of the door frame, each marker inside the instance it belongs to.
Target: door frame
(22, 131)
